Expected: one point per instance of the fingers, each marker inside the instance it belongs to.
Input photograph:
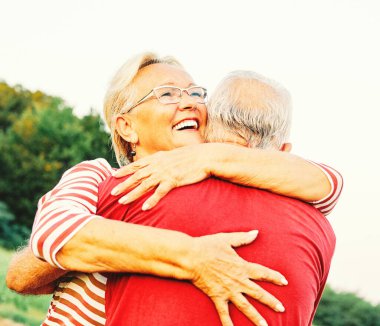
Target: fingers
(222, 309)
(262, 273)
(145, 186)
(237, 239)
(160, 192)
(247, 309)
(256, 292)
(133, 181)
(131, 168)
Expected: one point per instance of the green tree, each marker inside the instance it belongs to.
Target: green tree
(15, 100)
(345, 309)
(39, 140)
(11, 234)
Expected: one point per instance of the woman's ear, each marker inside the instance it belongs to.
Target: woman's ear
(125, 130)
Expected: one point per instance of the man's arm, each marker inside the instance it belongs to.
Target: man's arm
(61, 213)
(68, 234)
(276, 171)
(30, 275)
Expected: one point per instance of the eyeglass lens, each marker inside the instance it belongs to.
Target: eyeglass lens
(168, 95)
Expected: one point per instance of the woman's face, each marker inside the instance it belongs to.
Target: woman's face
(157, 125)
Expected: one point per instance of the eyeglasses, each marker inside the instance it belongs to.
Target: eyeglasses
(172, 95)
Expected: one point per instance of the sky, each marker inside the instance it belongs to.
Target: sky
(326, 53)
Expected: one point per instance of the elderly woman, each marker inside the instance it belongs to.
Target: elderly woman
(69, 235)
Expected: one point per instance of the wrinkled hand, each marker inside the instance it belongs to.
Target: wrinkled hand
(163, 171)
(224, 276)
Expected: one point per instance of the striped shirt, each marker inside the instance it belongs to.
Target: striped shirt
(79, 298)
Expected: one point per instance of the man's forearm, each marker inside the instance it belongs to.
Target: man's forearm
(113, 246)
(30, 275)
(276, 171)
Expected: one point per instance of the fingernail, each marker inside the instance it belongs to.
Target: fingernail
(284, 281)
(280, 308)
(253, 233)
(263, 323)
(115, 191)
(115, 173)
(123, 200)
(145, 207)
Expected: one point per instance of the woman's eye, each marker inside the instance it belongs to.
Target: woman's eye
(167, 94)
(196, 94)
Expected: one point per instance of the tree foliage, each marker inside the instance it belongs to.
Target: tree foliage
(40, 138)
(345, 309)
(11, 234)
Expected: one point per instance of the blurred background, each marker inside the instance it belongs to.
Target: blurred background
(56, 59)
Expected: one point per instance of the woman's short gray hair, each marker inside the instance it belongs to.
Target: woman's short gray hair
(121, 93)
(252, 107)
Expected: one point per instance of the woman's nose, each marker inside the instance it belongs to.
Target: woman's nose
(187, 102)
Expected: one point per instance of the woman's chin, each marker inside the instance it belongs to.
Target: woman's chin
(187, 138)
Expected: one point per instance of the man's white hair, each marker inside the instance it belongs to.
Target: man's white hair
(251, 106)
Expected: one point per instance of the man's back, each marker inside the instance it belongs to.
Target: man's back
(294, 239)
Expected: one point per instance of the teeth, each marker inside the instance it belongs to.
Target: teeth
(186, 123)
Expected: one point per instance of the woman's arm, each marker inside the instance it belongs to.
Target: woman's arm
(276, 171)
(67, 208)
(209, 262)
(326, 204)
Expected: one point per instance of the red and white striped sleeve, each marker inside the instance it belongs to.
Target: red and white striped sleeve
(64, 210)
(326, 205)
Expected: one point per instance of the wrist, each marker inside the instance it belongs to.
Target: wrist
(188, 258)
(211, 155)
(217, 156)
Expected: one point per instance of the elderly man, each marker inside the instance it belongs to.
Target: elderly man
(269, 137)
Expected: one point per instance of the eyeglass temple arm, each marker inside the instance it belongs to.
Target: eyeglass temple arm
(140, 101)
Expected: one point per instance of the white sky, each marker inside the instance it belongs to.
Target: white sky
(325, 52)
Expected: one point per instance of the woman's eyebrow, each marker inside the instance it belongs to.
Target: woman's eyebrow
(174, 84)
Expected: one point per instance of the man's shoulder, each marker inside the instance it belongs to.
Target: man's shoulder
(110, 182)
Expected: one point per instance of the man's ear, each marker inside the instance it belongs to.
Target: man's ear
(125, 130)
(286, 147)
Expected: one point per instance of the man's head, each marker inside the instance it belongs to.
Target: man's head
(251, 110)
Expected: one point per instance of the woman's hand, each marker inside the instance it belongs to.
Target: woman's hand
(163, 171)
(276, 171)
(225, 277)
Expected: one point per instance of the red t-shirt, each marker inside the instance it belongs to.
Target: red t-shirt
(294, 238)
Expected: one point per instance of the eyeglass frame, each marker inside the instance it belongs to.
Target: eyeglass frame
(152, 92)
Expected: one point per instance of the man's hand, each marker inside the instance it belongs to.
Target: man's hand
(30, 275)
(225, 277)
(163, 171)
